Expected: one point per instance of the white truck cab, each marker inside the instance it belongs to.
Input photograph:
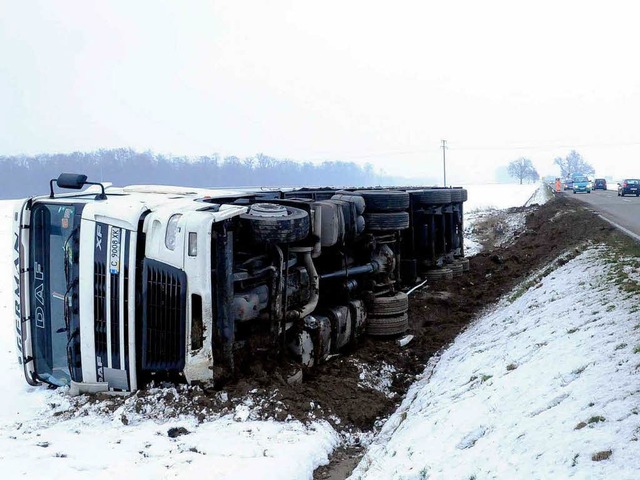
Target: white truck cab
(77, 302)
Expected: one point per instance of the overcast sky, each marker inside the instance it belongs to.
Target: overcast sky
(364, 81)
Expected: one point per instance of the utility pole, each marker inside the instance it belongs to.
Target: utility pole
(444, 162)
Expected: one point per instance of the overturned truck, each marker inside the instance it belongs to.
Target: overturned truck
(117, 286)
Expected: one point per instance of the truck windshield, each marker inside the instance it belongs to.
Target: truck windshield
(53, 278)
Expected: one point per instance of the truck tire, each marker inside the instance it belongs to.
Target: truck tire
(384, 200)
(435, 197)
(387, 326)
(464, 262)
(439, 274)
(456, 268)
(384, 222)
(271, 223)
(394, 305)
(458, 195)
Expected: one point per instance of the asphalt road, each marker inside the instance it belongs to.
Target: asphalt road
(622, 211)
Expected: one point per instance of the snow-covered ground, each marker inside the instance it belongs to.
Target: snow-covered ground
(545, 386)
(491, 202)
(500, 196)
(534, 389)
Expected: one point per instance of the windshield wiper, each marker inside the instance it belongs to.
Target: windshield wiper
(67, 253)
(68, 301)
(67, 306)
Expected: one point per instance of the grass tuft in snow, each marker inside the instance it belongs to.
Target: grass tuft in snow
(596, 419)
(599, 456)
(536, 279)
(624, 259)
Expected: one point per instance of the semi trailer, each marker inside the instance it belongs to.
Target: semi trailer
(118, 286)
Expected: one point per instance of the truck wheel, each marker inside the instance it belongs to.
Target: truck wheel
(383, 222)
(435, 196)
(384, 200)
(439, 274)
(456, 268)
(271, 223)
(386, 326)
(394, 305)
(458, 195)
(464, 262)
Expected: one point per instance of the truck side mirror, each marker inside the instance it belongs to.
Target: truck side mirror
(74, 181)
(71, 180)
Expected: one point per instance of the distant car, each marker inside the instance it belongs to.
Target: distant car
(568, 184)
(581, 184)
(599, 184)
(629, 186)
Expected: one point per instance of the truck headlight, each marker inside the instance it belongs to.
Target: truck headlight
(172, 231)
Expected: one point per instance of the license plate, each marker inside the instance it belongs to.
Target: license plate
(114, 251)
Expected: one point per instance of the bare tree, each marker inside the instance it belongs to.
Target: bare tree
(573, 163)
(523, 169)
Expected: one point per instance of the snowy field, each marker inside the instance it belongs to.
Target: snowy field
(499, 196)
(542, 387)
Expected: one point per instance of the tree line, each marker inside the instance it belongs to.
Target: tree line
(30, 175)
(522, 169)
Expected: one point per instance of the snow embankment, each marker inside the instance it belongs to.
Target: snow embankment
(545, 386)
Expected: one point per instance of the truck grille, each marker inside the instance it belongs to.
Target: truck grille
(99, 308)
(163, 318)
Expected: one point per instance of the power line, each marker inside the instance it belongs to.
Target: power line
(348, 157)
(548, 147)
